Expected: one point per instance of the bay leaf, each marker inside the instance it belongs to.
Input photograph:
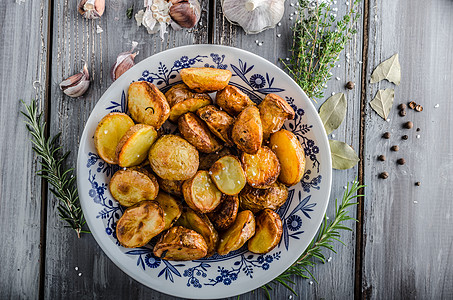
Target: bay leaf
(389, 69)
(333, 111)
(343, 156)
(383, 102)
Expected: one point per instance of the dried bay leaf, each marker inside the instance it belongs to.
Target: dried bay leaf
(383, 101)
(333, 112)
(389, 69)
(343, 156)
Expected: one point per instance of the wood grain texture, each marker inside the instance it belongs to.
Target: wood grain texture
(407, 231)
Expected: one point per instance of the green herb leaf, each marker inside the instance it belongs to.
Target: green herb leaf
(389, 69)
(383, 102)
(130, 12)
(333, 112)
(343, 156)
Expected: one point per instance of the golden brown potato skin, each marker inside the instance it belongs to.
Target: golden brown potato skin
(239, 233)
(205, 80)
(225, 214)
(180, 243)
(181, 92)
(233, 100)
(173, 187)
(188, 105)
(171, 206)
(247, 131)
(218, 121)
(274, 111)
(261, 169)
(208, 159)
(200, 193)
(268, 232)
(195, 131)
(133, 147)
(259, 199)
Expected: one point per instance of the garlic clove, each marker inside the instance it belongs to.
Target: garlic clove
(124, 62)
(91, 9)
(77, 84)
(185, 13)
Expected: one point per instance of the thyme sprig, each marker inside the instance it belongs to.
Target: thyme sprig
(318, 40)
(62, 180)
(327, 234)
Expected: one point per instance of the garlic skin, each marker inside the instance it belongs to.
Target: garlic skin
(91, 9)
(185, 13)
(253, 16)
(124, 62)
(77, 84)
(155, 17)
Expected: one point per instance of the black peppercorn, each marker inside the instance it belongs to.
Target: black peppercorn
(381, 157)
(405, 137)
(402, 106)
(408, 125)
(417, 183)
(401, 161)
(418, 129)
(386, 135)
(395, 148)
(419, 108)
(350, 85)
(384, 175)
(402, 113)
(412, 105)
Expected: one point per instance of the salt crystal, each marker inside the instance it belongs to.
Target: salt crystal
(333, 135)
(415, 201)
(338, 66)
(360, 62)
(333, 93)
(388, 120)
(279, 24)
(124, 169)
(106, 131)
(327, 218)
(287, 58)
(201, 24)
(334, 9)
(345, 187)
(257, 41)
(260, 44)
(99, 29)
(311, 282)
(417, 136)
(329, 259)
(330, 73)
(290, 297)
(76, 268)
(292, 4)
(436, 106)
(296, 12)
(337, 78)
(290, 18)
(279, 35)
(80, 274)
(291, 14)
(239, 182)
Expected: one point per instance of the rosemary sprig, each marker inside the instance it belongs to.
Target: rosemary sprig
(318, 40)
(327, 234)
(61, 180)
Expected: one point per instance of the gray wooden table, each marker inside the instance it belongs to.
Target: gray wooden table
(401, 248)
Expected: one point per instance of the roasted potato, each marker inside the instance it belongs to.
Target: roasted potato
(181, 92)
(108, 133)
(208, 159)
(247, 131)
(140, 223)
(259, 199)
(274, 111)
(233, 100)
(171, 206)
(129, 187)
(239, 233)
(200, 223)
(147, 104)
(173, 158)
(188, 105)
(228, 175)
(218, 121)
(261, 169)
(225, 214)
(205, 80)
(268, 232)
(200, 193)
(195, 131)
(290, 154)
(173, 187)
(134, 146)
(180, 243)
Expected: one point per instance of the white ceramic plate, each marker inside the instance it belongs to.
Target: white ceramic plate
(240, 271)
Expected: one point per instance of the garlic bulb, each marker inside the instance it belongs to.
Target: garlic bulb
(254, 16)
(77, 84)
(124, 62)
(155, 17)
(185, 13)
(91, 9)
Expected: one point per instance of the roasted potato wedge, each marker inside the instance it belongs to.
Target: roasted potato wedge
(180, 243)
(200, 193)
(171, 206)
(225, 214)
(233, 100)
(173, 187)
(205, 80)
(195, 131)
(274, 111)
(259, 199)
(173, 158)
(134, 146)
(261, 169)
(290, 154)
(268, 232)
(247, 131)
(140, 223)
(147, 104)
(200, 223)
(188, 105)
(108, 133)
(208, 159)
(218, 121)
(239, 233)
(181, 92)
(129, 187)
(228, 175)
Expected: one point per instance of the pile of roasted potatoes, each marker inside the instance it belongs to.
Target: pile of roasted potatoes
(231, 163)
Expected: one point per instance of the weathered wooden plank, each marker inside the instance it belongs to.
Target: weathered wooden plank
(22, 66)
(407, 229)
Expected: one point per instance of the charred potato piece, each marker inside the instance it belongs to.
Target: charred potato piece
(200, 193)
(181, 92)
(290, 154)
(134, 146)
(108, 133)
(205, 80)
(268, 232)
(195, 131)
(171, 206)
(207, 160)
(173, 158)
(200, 223)
(228, 175)
(261, 169)
(188, 105)
(233, 100)
(218, 121)
(247, 131)
(239, 233)
(180, 243)
(147, 104)
(173, 187)
(225, 214)
(274, 111)
(259, 199)
(129, 187)
(139, 224)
